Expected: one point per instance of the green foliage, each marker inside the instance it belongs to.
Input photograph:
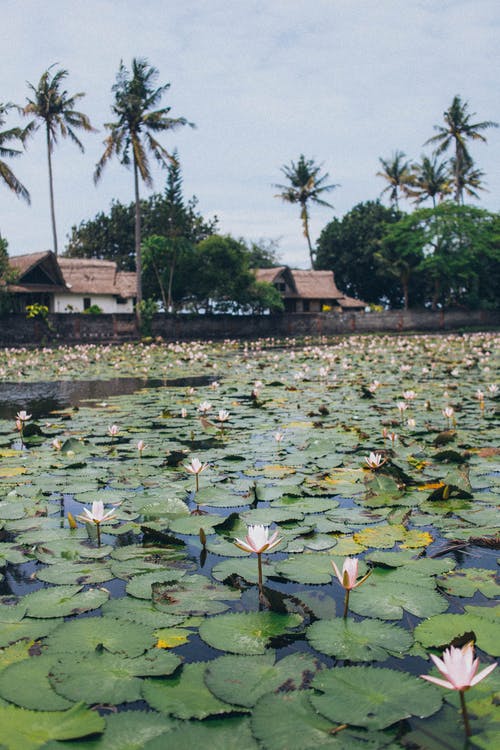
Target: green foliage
(148, 308)
(37, 311)
(7, 137)
(349, 245)
(93, 310)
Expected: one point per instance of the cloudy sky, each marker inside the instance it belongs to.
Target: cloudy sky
(341, 81)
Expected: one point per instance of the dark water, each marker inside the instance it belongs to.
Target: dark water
(40, 398)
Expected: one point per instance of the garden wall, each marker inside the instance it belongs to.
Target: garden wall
(72, 328)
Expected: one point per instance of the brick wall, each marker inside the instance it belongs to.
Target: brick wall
(72, 328)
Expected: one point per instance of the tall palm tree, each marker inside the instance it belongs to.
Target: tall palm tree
(459, 129)
(397, 172)
(132, 135)
(429, 179)
(306, 185)
(7, 137)
(53, 108)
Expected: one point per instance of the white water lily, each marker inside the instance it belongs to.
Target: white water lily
(258, 540)
(375, 460)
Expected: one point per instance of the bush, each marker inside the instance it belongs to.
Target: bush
(93, 310)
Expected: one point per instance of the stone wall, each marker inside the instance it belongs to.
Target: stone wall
(73, 328)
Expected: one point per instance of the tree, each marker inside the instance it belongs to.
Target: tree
(348, 246)
(133, 135)
(468, 179)
(54, 108)
(7, 276)
(400, 257)
(397, 172)
(456, 132)
(306, 185)
(6, 150)
(430, 178)
(460, 253)
(263, 253)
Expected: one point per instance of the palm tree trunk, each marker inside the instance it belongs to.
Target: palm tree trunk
(138, 259)
(170, 304)
(305, 220)
(51, 193)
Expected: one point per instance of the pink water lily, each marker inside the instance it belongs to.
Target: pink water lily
(257, 540)
(23, 416)
(97, 516)
(459, 668)
(348, 578)
(196, 468)
(375, 461)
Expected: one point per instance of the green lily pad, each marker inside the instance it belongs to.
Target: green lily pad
(61, 601)
(441, 630)
(75, 572)
(101, 677)
(242, 680)
(185, 695)
(466, 581)
(86, 634)
(195, 595)
(28, 628)
(369, 640)
(27, 685)
(231, 733)
(29, 730)
(246, 569)
(388, 593)
(139, 611)
(372, 697)
(246, 633)
(307, 568)
(288, 720)
(141, 586)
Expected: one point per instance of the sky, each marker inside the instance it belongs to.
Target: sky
(343, 82)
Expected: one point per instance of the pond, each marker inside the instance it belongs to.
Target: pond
(161, 633)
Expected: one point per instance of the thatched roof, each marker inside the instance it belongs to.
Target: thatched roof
(308, 285)
(92, 276)
(36, 272)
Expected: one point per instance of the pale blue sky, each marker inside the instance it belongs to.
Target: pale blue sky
(342, 81)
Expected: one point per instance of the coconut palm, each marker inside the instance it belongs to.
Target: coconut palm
(459, 129)
(429, 179)
(6, 150)
(133, 133)
(397, 172)
(469, 179)
(54, 109)
(306, 185)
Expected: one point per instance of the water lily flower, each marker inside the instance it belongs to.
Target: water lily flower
(141, 445)
(196, 468)
(348, 578)
(411, 423)
(204, 407)
(459, 668)
(258, 540)
(113, 430)
(375, 461)
(278, 436)
(97, 516)
(184, 413)
(448, 412)
(57, 444)
(23, 416)
(409, 395)
(223, 415)
(493, 389)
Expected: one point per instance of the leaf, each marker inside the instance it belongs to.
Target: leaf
(185, 695)
(62, 601)
(371, 697)
(288, 720)
(75, 572)
(27, 628)
(141, 586)
(140, 611)
(232, 733)
(369, 640)
(242, 680)
(246, 633)
(27, 685)
(441, 630)
(195, 595)
(307, 568)
(466, 581)
(244, 568)
(86, 634)
(388, 593)
(29, 730)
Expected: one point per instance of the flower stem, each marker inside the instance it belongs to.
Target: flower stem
(259, 566)
(465, 715)
(197, 477)
(346, 602)
(98, 525)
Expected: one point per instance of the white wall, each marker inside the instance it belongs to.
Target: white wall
(74, 303)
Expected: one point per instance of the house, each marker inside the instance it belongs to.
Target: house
(71, 284)
(308, 291)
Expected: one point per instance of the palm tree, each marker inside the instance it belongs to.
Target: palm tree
(429, 179)
(54, 108)
(458, 129)
(397, 172)
(469, 179)
(6, 137)
(306, 185)
(132, 135)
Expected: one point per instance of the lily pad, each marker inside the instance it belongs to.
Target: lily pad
(29, 730)
(231, 733)
(27, 685)
(466, 581)
(246, 633)
(372, 697)
(387, 594)
(368, 640)
(87, 634)
(195, 595)
(441, 630)
(61, 601)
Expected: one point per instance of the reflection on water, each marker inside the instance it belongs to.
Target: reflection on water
(40, 398)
